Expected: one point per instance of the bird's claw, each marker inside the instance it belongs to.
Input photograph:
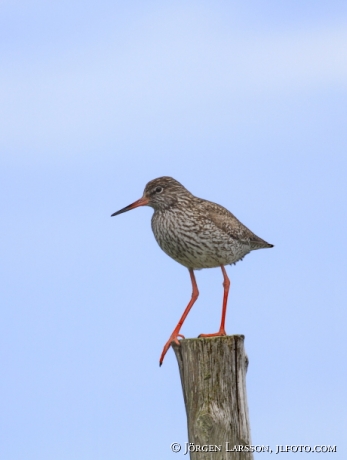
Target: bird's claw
(173, 338)
(220, 333)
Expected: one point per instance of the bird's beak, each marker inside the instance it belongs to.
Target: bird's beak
(141, 202)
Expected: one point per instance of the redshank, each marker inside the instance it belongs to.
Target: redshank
(196, 233)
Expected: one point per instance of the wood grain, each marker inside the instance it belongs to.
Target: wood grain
(213, 377)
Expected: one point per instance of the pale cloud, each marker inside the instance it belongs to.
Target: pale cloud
(160, 65)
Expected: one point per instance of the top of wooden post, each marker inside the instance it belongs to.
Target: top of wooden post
(213, 372)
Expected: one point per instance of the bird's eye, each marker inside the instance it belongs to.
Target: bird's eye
(158, 189)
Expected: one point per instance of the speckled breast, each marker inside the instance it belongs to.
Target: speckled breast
(195, 242)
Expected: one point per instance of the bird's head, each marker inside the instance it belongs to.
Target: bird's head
(160, 194)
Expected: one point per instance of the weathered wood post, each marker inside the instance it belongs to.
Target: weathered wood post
(213, 376)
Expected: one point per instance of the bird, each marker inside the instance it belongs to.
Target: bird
(198, 234)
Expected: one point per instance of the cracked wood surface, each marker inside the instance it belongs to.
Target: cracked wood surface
(213, 377)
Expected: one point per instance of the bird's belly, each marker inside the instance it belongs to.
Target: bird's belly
(199, 248)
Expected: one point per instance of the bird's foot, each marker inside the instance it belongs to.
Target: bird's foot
(173, 338)
(220, 333)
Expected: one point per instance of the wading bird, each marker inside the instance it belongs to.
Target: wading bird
(196, 233)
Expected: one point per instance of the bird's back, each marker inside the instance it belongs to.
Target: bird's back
(201, 234)
(229, 224)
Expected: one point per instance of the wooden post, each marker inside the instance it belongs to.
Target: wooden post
(213, 377)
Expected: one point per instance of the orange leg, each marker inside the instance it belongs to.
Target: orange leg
(226, 285)
(175, 334)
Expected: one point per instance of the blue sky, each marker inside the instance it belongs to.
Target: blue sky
(245, 103)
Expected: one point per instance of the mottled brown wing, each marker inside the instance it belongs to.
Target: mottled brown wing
(228, 223)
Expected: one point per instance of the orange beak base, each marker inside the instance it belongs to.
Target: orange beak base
(141, 202)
